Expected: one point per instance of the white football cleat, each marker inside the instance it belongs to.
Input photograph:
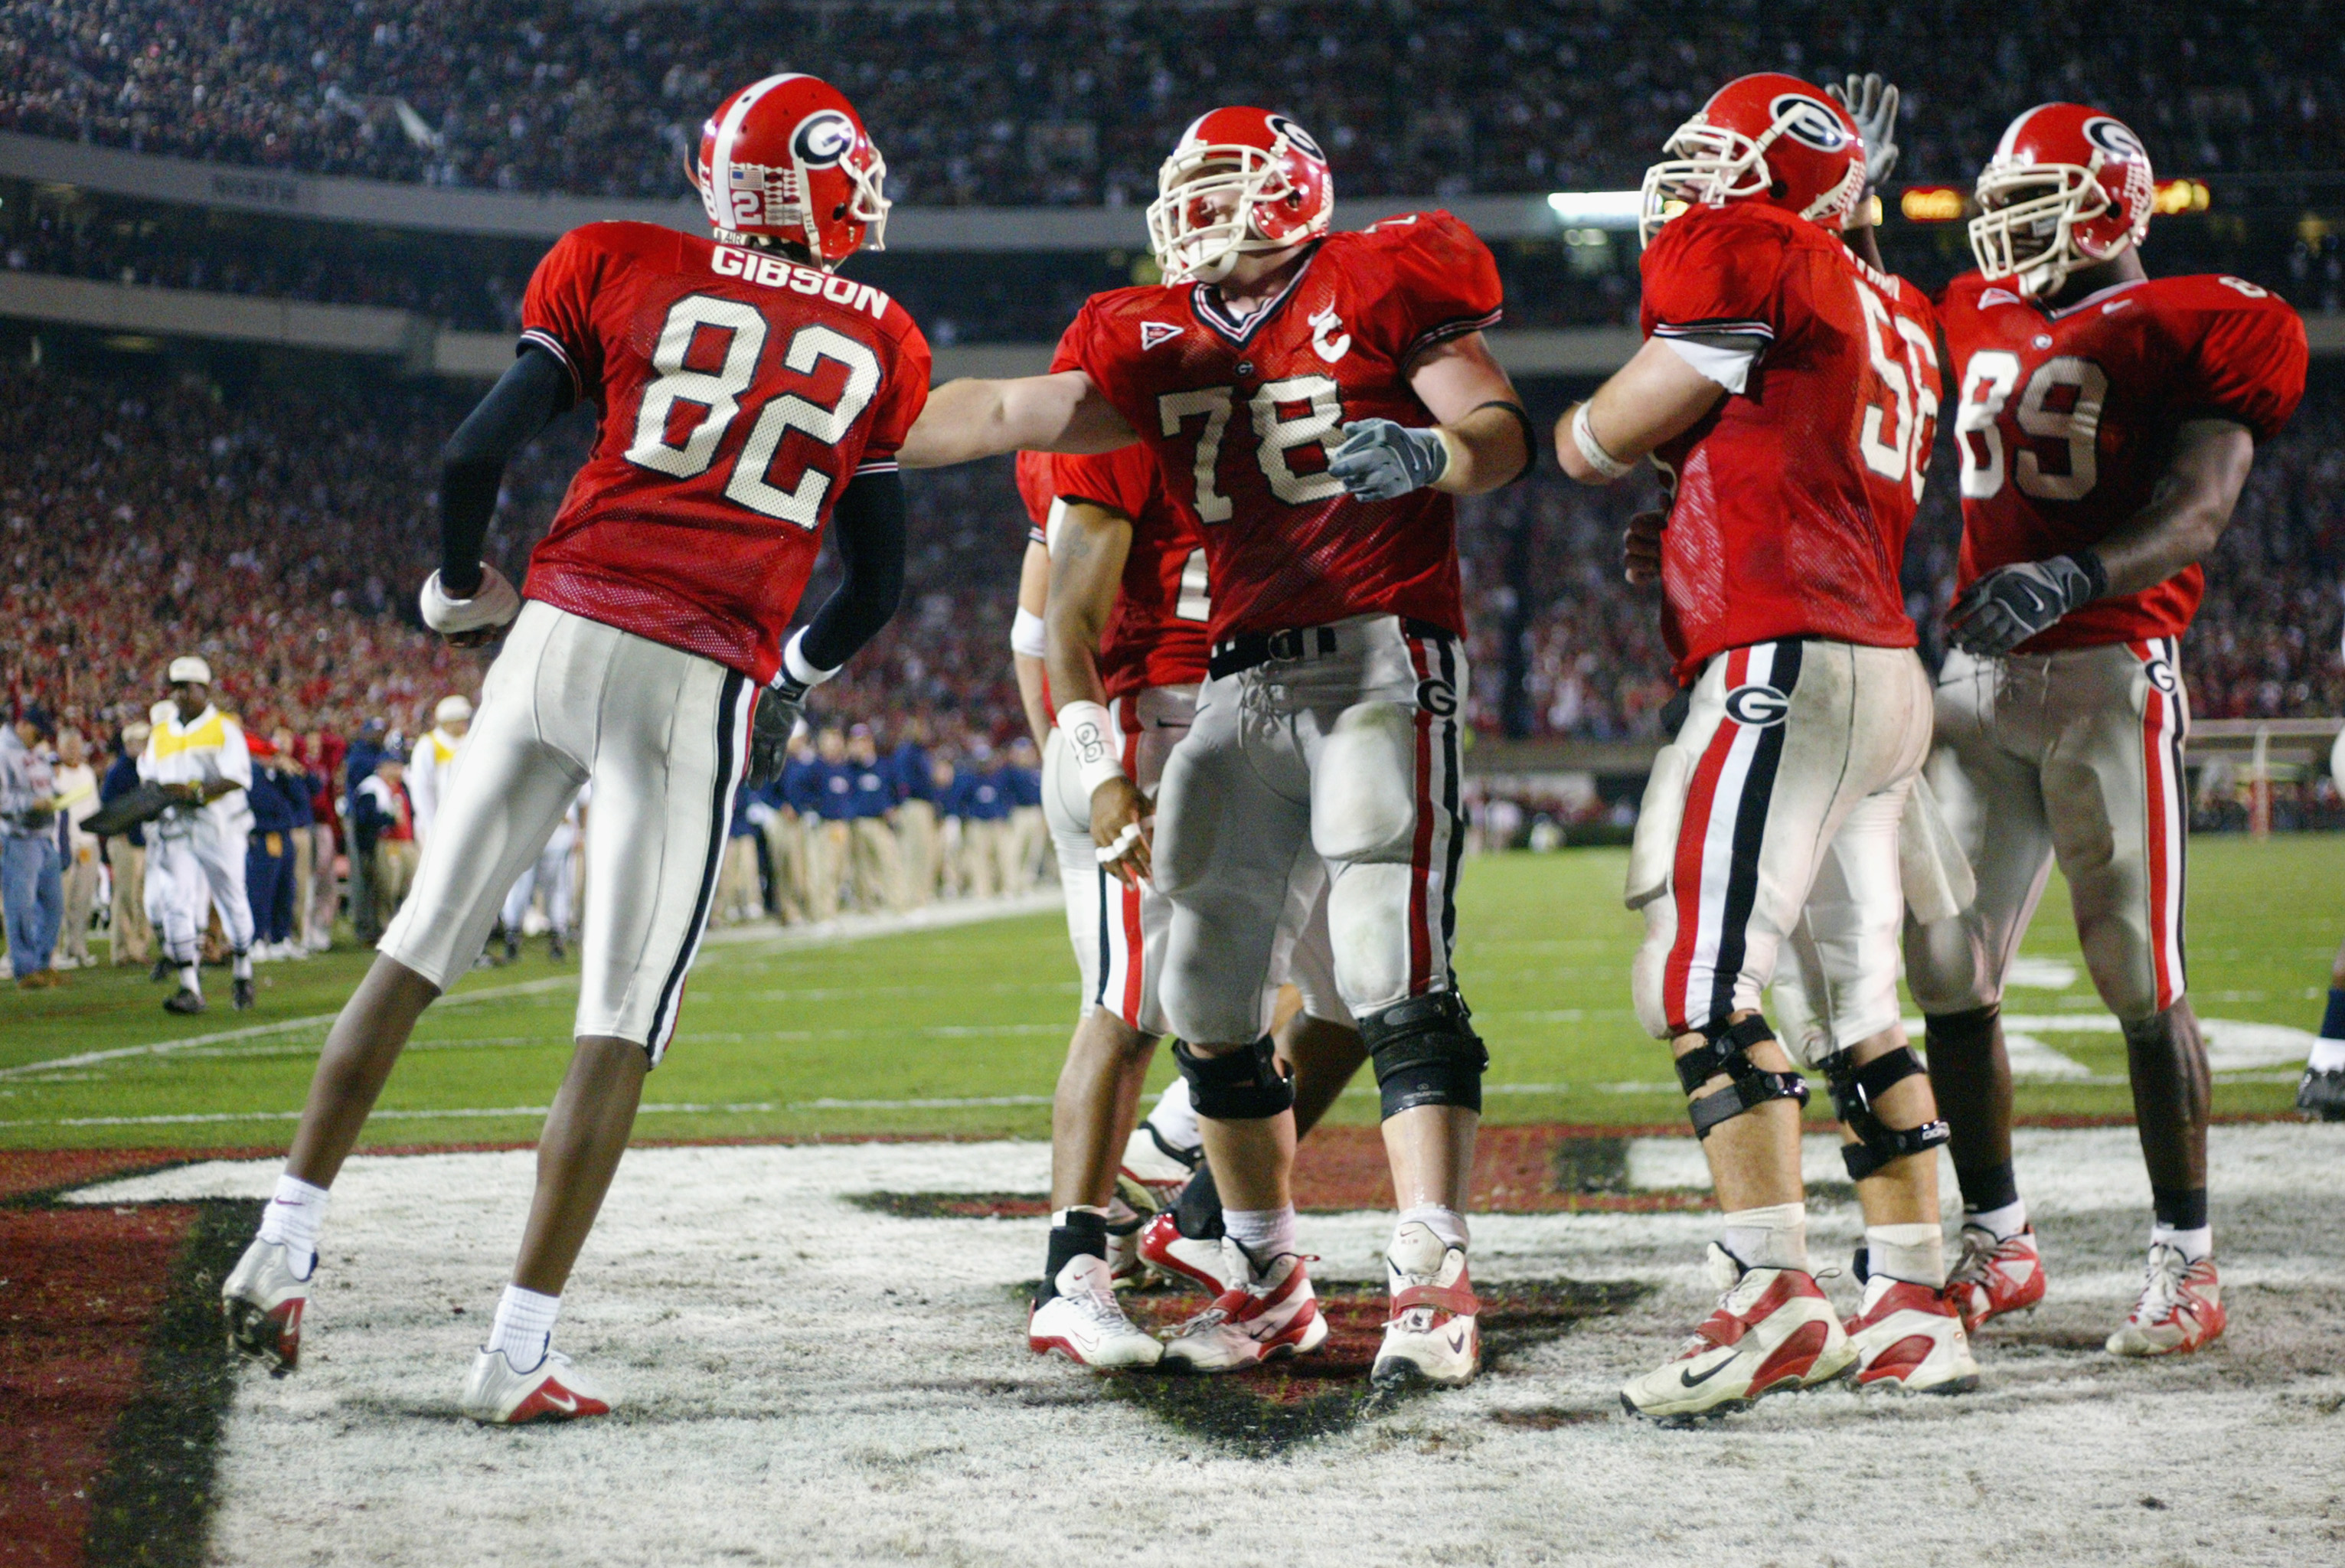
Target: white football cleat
(2180, 1309)
(552, 1390)
(1432, 1335)
(1156, 1167)
(263, 1301)
(1771, 1331)
(1266, 1314)
(1085, 1322)
(1993, 1277)
(1179, 1259)
(1909, 1338)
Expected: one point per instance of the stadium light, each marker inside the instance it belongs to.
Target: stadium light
(2182, 196)
(1597, 208)
(1931, 204)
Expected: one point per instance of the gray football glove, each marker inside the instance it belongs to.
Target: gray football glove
(778, 708)
(1872, 104)
(2004, 607)
(1380, 461)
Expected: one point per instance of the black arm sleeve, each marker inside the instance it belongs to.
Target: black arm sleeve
(526, 400)
(869, 526)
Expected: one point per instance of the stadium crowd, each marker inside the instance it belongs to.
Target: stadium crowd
(986, 101)
(276, 530)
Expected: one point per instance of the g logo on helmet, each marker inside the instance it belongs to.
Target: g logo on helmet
(823, 138)
(2161, 676)
(1809, 122)
(1296, 136)
(1758, 707)
(2112, 138)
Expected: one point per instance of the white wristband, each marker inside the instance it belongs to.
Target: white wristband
(1026, 635)
(800, 669)
(1090, 743)
(1592, 451)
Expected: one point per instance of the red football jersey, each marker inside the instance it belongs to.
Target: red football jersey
(1156, 633)
(740, 394)
(2067, 417)
(1791, 499)
(1240, 414)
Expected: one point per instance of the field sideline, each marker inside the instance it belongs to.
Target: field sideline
(960, 1030)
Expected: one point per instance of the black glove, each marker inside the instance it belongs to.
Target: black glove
(2004, 607)
(778, 708)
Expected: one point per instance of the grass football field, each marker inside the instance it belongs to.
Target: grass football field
(960, 1030)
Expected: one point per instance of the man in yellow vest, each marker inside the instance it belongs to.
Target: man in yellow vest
(198, 847)
(435, 759)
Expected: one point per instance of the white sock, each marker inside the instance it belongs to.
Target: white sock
(1915, 1253)
(1444, 1222)
(294, 1216)
(1775, 1237)
(524, 1327)
(2004, 1223)
(1174, 1119)
(2193, 1245)
(2328, 1056)
(243, 966)
(190, 978)
(1265, 1233)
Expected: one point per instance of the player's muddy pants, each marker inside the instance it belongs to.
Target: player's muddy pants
(189, 867)
(2076, 755)
(1343, 745)
(1119, 931)
(664, 736)
(1772, 817)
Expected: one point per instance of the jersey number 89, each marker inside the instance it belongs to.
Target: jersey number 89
(718, 393)
(2062, 403)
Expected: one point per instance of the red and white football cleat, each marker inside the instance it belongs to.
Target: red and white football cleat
(1083, 1321)
(263, 1301)
(552, 1390)
(1266, 1314)
(2180, 1309)
(1181, 1259)
(1909, 1338)
(1771, 1331)
(1432, 1335)
(1993, 1277)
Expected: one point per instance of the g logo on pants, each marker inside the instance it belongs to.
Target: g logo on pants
(1758, 707)
(2161, 676)
(1436, 697)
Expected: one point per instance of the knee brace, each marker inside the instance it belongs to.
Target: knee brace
(1246, 1085)
(1426, 1053)
(1854, 1091)
(1725, 1048)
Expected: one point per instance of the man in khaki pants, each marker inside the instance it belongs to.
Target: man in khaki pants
(77, 788)
(916, 810)
(879, 861)
(126, 855)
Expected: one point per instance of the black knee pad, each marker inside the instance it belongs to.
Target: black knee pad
(1854, 1091)
(1426, 1053)
(1725, 1048)
(1246, 1085)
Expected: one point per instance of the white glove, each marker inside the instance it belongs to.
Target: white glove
(492, 604)
(1871, 103)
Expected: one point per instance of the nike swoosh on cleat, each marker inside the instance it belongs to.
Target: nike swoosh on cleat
(561, 1399)
(1688, 1380)
(1458, 1343)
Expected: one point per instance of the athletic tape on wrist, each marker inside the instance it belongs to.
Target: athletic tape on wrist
(1592, 451)
(800, 669)
(1090, 744)
(1027, 634)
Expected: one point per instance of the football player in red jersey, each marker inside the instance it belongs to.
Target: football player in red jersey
(1126, 615)
(1314, 400)
(747, 395)
(1787, 392)
(2106, 420)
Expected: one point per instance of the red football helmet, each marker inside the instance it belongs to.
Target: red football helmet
(2068, 187)
(1764, 137)
(1239, 180)
(797, 167)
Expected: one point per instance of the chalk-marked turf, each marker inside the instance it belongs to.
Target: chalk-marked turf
(782, 939)
(807, 1381)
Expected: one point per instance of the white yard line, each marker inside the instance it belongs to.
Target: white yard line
(786, 939)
